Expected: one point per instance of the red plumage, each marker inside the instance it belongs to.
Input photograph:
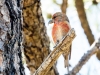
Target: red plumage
(60, 29)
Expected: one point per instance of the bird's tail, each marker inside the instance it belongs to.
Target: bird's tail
(67, 57)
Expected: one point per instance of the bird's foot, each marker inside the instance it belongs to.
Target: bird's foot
(56, 43)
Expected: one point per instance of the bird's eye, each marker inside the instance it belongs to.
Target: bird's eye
(50, 22)
(54, 17)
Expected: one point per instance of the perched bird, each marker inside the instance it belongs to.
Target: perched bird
(60, 28)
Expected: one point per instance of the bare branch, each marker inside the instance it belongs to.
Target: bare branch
(53, 56)
(94, 48)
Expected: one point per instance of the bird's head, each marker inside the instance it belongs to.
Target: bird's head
(58, 17)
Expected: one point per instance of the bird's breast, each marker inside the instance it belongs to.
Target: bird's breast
(59, 31)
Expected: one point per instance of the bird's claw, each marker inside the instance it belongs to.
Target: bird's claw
(56, 43)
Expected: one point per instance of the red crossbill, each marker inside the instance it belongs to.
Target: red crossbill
(60, 28)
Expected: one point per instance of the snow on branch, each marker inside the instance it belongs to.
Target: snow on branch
(63, 45)
(94, 48)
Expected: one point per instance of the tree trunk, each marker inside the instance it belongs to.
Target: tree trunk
(64, 6)
(82, 16)
(36, 42)
(11, 36)
(95, 2)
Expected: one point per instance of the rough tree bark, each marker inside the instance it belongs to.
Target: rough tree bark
(3, 27)
(63, 6)
(11, 36)
(36, 42)
(82, 16)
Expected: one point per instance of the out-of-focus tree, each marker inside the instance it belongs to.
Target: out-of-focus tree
(64, 6)
(95, 2)
(36, 41)
(84, 22)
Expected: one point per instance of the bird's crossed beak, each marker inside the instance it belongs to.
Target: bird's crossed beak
(51, 21)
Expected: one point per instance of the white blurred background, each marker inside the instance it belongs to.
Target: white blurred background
(80, 44)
